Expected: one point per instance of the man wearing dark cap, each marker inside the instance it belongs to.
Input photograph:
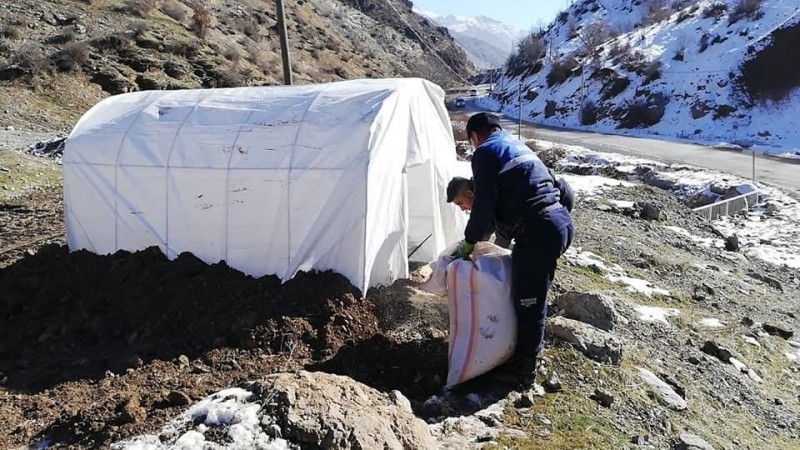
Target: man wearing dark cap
(515, 195)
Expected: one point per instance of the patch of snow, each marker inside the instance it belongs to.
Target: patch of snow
(590, 185)
(622, 204)
(655, 313)
(751, 340)
(711, 323)
(793, 353)
(232, 410)
(704, 242)
(580, 258)
(638, 285)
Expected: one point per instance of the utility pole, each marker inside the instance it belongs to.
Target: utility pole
(287, 63)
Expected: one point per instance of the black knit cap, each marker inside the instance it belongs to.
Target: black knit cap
(482, 120)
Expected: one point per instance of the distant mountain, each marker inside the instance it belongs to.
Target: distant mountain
(487, 42)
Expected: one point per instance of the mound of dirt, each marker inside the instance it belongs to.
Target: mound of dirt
(98, 348)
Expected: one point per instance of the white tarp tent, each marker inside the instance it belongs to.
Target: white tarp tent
(347, 176)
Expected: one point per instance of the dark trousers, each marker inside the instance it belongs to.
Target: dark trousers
(534, 259)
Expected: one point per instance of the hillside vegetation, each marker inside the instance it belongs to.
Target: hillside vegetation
(708, 70)
(59, 57)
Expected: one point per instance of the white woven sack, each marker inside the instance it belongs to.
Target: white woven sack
(483, 323)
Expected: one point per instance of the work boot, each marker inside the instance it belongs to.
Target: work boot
(520, 371)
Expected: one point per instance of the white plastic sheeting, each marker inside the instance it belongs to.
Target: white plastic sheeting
(346, 176)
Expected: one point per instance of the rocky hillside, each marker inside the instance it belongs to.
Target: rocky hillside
(59, 57)
(708, 70)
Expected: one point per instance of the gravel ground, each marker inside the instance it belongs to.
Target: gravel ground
(22, 140)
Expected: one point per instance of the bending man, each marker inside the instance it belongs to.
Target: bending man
(515, 195)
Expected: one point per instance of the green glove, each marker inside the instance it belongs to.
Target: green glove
(464, 250)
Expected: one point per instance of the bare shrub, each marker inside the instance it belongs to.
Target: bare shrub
(30, 59)
(233, 54)
(529, 51)
(715, 10)
(247, 25)
(139, 27)
(201, 20)
(658, 11)
(633, 61)
(175, 10)
(72, 56)
(746, 8)
(561, 70)
(140, 8)
(11, 31)
(593, 36)
(652, 71)
(589, 113)
(231, 76)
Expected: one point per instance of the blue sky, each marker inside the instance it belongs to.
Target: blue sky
(523, 14)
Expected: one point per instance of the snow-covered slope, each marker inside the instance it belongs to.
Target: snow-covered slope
(700, 70)
(486, 41)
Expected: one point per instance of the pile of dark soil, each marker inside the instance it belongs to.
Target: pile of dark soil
(99, 348)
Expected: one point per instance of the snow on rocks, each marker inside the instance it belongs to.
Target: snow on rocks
(233, 411)
(286, 411)
(614, 273)
(710, 323)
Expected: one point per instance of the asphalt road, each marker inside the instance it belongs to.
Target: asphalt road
(781, 174)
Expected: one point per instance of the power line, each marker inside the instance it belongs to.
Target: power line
(422, 41)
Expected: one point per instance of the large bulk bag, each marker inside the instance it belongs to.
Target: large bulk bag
(483, 323)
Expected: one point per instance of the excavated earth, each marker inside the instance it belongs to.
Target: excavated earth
(84, 335)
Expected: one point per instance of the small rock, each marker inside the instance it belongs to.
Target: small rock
(639, 440)
(602, 397)
(693, 360)
(132, 412)
(183, 361)
(649, 211)
(543, 420)
(754, 376)
(525, 400)
(713, 349)
(274, 431)
(689, 441)
(777, 401)
(732, 243)
(740, 366)
(135, 362)
(748, 322)
(778, 331)
(674, 383)
(553, 383)
(665, 394)
(177, 398)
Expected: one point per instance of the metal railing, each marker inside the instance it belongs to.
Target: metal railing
(728, 206)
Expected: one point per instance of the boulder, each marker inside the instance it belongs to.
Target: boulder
(595, 309)
(593, 342)
(331, 411)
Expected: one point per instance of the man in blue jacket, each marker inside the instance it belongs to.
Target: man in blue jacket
(515, 195)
